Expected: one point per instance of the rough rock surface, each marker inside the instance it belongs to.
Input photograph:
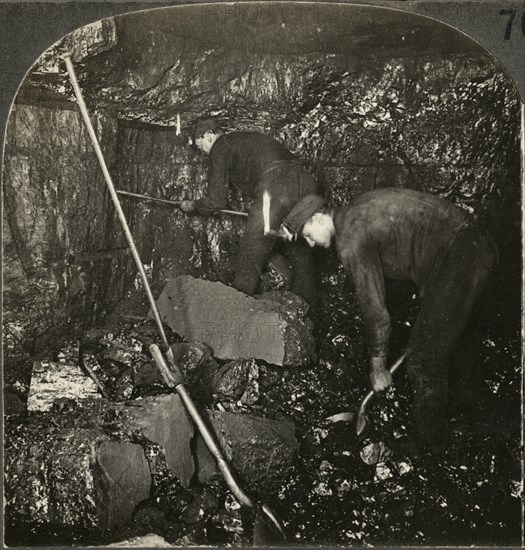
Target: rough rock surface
(79, 479)
(82, 43)
(368, 98)
(53, 260)
(260, 450)
(233, 324)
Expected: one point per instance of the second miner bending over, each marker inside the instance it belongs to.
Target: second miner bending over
(408, 235)
(254, 163)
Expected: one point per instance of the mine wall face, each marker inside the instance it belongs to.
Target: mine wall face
(438, 118)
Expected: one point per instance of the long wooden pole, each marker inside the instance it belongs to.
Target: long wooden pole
(175, 203)
(171, 376)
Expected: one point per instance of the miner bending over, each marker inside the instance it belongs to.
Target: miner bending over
(254, 163)
(408, 235)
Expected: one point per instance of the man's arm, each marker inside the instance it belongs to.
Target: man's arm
(364, 265)
(217, 196)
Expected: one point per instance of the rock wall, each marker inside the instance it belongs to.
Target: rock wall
(402, 103)
(62, 248)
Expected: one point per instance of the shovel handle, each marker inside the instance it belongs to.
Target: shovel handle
(371, 393)
(172, 380)
(398, 363)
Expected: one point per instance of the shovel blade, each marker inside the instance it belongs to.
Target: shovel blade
(362, 424)
(341, 417)
(266, 529)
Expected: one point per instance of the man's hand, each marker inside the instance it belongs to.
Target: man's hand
(284, 233)
(187, 206)
(380, 376)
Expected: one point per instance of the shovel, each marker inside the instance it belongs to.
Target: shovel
(172, 376)
(363, 422)
(265, 521)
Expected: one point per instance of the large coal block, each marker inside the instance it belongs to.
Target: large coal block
(82, 479)
(86, 469)
(259, 450)
(237, 326)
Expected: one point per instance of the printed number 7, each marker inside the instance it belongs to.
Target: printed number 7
(512, 14)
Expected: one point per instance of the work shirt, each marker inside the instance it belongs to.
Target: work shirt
(239, 159)
(396, 233)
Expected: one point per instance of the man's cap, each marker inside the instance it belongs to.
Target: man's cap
(203, 126)
(303, 211)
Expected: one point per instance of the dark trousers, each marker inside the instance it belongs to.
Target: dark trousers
(447, 300)
(287, 183)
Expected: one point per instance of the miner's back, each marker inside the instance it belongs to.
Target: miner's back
(246, 155)
(406, 231)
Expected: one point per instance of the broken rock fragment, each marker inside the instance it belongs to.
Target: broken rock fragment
(163, 420)
(205, 463)
(278, 275)
(195, 362)
(287, 303)
(232, 380)
(234, 325)
(238, 380)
